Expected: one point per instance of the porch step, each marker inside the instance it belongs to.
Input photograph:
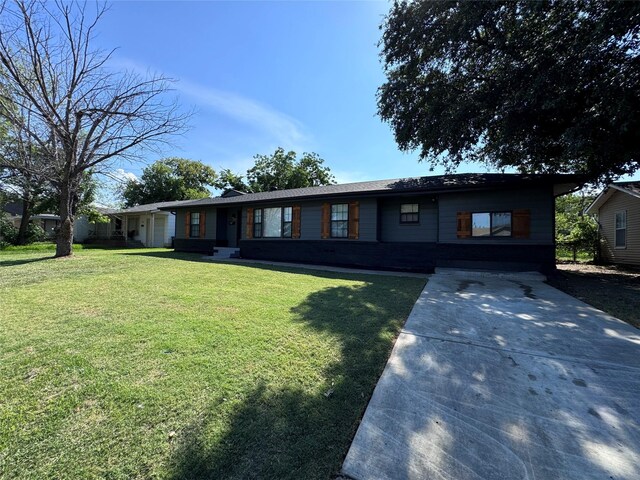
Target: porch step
(135, 244)
(226, 252)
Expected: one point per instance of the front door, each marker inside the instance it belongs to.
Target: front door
(158, 231)
(133, 226)
(233, 228)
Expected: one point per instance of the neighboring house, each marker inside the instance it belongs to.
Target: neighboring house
(47, 221)
(142, 225)
(503, 221)
(617, 210)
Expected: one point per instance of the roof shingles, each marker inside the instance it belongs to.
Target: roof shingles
(433, 184)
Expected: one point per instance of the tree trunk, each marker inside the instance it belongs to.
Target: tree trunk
(64, 240)
(21, 239)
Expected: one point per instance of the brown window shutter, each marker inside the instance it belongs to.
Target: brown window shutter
(203, 222)
(354, 220)
(521, 224)
(295, 221)
(249, 233)
(187, 224)
(464, 224)
(325, 231)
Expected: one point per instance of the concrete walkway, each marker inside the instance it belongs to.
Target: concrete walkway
(308, 266)
(504, 377)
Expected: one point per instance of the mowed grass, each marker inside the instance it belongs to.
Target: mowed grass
(128, 364)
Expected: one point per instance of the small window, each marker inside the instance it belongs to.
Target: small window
(287, 216)
(496, 224)
(621, 229)
(194, 226)
(257, 223)
(409, 213)
(340, 220)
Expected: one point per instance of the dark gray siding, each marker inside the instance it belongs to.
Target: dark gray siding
(539, 201)
(422, 256)
(391, 230)
(311, 219)
(210, 222)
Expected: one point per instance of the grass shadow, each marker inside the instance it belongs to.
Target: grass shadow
(298, 431)
(24, 261)
(167, 255)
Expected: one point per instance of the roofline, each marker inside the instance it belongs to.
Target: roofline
(607, 192)
(617, 187)
(242, 199)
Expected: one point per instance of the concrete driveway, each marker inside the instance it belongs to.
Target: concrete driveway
(504, 377)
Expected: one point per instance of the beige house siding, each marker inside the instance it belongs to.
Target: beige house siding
(620, 201)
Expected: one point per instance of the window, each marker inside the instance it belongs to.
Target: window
(621, 229)
(496, 224)
(194, 225)
(272, 222)
(257, 223)
(287, 217)
(340, 220)
(409, 213)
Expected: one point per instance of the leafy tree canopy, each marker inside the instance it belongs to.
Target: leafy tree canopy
(168, 180)
(573, 225)
(229, 180)
(279, 171)
(537, 86)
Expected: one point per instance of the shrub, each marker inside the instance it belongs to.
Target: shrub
(35, 233)
(8, 232)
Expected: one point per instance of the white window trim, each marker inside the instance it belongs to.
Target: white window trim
(615, 230)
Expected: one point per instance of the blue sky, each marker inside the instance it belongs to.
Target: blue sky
(301, 75)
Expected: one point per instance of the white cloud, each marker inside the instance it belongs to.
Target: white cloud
(285, 130)
(282, 129)
(122, 176)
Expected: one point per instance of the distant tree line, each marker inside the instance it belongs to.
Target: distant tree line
(173, 179)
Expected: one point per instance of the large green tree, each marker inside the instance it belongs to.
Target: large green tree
(547, 86)
(279, 171)
(170, 179)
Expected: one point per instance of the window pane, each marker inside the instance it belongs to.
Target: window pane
(339, 229)
(340, 211)
(621, 237)
(195, 218)
(195, 231)
(501, 224)
(286, 214)
(272, 222)
(257, 230)
(409, 218)
(621, 220)
(286, 229)
(257, 215)
(481, 224)
(409, 208)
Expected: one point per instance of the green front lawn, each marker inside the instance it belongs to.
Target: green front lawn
(127, 364)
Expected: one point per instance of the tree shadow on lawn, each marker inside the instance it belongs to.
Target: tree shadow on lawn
(24, 261)
(289, 432)
(169, 255)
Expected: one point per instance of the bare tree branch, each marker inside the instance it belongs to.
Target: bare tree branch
(81, 113)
